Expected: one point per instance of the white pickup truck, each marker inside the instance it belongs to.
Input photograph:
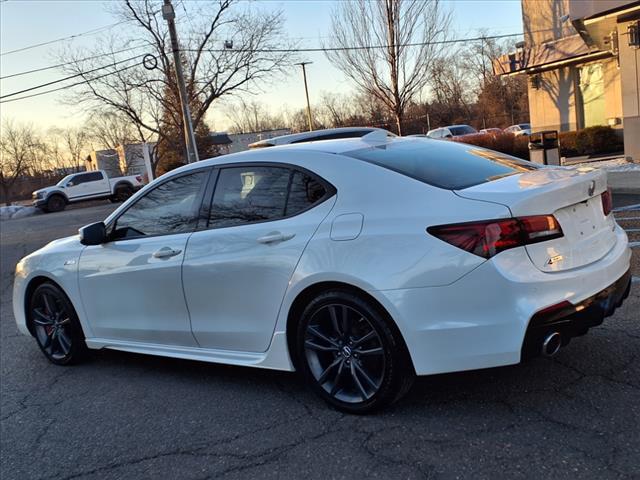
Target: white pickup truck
(82, 186)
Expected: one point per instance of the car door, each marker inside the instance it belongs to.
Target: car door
(237, 270)
(131, 286)
(96, 184)
(74, 188)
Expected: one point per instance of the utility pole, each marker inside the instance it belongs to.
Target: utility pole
(189, 137)
(306, 91)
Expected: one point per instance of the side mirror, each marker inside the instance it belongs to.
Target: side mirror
(93, 234)
(69, 184)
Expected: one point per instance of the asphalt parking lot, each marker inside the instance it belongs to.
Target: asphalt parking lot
(132, 416)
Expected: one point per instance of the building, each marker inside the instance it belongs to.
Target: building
(240, 141)
(125, 159)
(107, 160)
(582, 59)
(221, 141)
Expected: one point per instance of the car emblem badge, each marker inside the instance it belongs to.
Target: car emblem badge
(346, 351)
(555, 259)
(592, 188)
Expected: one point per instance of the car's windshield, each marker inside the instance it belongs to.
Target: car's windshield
(525, 126)
(63, 182)
(449, 165)
(462, 130)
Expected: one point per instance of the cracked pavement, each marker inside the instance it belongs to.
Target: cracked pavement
(132, 416)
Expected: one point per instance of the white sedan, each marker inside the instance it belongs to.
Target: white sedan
(359, 263)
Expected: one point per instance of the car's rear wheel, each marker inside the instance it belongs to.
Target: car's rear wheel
(56, 203)
(55, 325)
(350, 355)
(122, 193)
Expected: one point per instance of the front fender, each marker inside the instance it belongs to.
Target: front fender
(60, 267)
(56, 192)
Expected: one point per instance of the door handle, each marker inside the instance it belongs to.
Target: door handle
(166, 252)
(276, 237)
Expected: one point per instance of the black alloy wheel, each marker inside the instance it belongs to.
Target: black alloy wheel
(55, 325)
(56, 203)
(350, 355)
(123, 193)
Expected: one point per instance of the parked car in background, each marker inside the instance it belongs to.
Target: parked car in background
(491, 131)
(82, 186)
(451, 131)
(314, 135)
(519, 129)
(326, 258)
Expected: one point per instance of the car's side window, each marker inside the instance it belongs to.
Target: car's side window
(249, 194)
(172, 207)
(86, 177)
(303, 193)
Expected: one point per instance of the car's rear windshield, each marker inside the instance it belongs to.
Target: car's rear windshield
(449, 165)
(462, 130)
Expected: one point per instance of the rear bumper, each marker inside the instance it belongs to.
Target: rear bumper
(574, 320)
(482, 319)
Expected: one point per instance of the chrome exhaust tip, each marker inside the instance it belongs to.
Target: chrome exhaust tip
(551, 344)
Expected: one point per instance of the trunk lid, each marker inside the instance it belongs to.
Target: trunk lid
(573, 196)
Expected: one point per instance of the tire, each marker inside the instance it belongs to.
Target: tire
(56, 203)
(55, 325)
(122, 192)
(349, 354)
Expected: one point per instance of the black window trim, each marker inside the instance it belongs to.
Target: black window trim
(200, 199)
(329, 188)
(84, 174)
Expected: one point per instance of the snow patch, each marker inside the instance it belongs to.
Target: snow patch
(17, 211)
(613, 165)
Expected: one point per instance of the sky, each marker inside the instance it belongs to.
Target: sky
(28, 22)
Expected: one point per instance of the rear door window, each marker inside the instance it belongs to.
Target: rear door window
(448, 165)
(257, 193)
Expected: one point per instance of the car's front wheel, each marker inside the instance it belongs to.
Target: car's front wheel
(55, 325)
(56, 203)
(350, 355)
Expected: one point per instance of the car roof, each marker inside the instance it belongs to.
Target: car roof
(337, 146)
(308, 136)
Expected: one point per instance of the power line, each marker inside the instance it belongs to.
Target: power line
(359, 47)
(35, 70)
(68, 86)
(287, 50)
(82, 34)
(53, 82)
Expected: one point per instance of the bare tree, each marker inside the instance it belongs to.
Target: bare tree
(147, 97)
(21, 150)
(251, 116)
(406, 30)
(66, 148)
(109, 129)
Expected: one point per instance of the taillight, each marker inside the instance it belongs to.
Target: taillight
(490, 237)
(607, 202)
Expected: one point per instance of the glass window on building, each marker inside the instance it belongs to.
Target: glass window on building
(591, 99)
